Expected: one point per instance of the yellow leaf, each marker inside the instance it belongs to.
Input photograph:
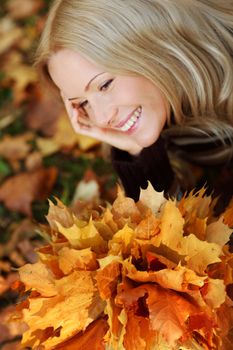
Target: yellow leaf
(71, 259)
(121, 241)
(199, 254)
(171, 228)
(75, 306)
(37, 276)
(180, 279)
(195, 204)
(84, 237)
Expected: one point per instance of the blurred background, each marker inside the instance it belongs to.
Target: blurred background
(40, 155)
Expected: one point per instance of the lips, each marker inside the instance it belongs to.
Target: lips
(130, 121)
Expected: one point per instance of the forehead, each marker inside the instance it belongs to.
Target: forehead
(71, 71)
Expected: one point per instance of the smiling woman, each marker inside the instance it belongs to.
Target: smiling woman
(131, 108)
(153, 79)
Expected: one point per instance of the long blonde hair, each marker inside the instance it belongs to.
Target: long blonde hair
(185, 47)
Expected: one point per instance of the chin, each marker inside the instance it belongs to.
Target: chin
(148, 141)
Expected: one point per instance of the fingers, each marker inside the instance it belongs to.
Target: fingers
(83, 125)
(75, 115)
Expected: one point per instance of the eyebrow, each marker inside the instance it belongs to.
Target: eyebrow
(87, 87)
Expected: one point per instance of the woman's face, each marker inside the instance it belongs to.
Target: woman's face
(132, 105)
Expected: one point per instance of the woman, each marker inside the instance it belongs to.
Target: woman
(152, 78)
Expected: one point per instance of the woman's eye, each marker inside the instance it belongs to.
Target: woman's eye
(82, 104)
(106, 85)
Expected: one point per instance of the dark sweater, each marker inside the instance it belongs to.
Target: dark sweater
(153, 164)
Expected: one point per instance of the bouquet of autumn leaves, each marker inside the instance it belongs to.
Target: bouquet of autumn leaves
(156, 274)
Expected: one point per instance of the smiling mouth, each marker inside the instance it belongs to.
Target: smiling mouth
(131, 121)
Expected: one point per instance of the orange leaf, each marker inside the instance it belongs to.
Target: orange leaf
(107, 280)
(91, 339)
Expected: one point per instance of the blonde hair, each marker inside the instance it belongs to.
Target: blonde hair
(185, 47)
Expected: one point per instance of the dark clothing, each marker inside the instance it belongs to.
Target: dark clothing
(151, 164)
(180, 167)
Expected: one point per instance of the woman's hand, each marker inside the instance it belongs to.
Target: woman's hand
(82, 125)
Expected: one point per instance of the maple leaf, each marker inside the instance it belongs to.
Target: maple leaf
(171, 228)
(136, 329)
(168, 312)
(147, 228)
(125, 210)
(61, 213)
(121, 241)
(116, 322)
(162, 278)
(92, 338)
(107, 280)
(218, 232)
(71, 259)
(108, 221)
(215, 295)
(195, 204)
(180, 278)
(83, 237)
(199, 254)
(38, 277)
(64, 314)
(152, 199)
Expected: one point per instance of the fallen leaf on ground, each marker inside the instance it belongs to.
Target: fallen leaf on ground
(19, 191)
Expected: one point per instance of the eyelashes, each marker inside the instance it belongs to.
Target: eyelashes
(103, 87)
(106, 85)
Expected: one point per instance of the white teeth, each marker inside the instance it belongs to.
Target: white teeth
(132, 120)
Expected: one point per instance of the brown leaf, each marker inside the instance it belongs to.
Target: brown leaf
(21, 229)
(9, 329)
(59, 213)
(43, 113)
(19, 191)
(23, 8)
(33, 161)
(148, 228)
(15, 148)
(124, 210)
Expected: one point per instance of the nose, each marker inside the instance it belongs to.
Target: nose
(102, 114)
